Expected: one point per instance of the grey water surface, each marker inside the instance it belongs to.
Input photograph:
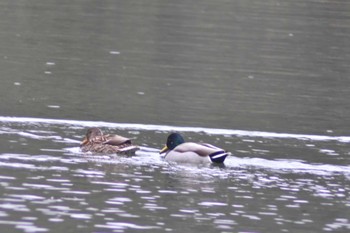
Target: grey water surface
(267, 80)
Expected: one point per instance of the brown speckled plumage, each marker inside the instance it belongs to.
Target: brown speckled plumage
(96, 142)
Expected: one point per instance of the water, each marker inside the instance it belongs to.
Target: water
(47, 184)
(266, 80)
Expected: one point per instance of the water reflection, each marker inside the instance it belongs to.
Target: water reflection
(48, 177)
(143, 193)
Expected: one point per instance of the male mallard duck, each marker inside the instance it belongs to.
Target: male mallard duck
(178, 150)
(96, 142)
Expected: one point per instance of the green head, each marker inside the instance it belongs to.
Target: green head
(173, 141)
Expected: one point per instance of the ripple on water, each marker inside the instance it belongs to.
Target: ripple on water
(124, 225)
(211, 204)
(144, 192)
(82, 216)
(339, 223)
(28, 227)
(27, 197)
(118, 201)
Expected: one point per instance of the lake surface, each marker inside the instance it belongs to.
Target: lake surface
(267, 80)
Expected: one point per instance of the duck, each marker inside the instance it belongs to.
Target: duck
(97, 142)
(177, 150)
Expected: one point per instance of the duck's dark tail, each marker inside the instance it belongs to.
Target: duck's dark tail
(219, 156)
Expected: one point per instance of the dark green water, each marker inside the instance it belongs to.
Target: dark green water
(267, 80)
(274, 65)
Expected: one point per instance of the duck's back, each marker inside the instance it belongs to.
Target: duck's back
(199, 149)
(191, 152)
(186, 157)
(197, 153)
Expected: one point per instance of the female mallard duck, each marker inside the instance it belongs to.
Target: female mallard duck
(178, 150)
(96, 142)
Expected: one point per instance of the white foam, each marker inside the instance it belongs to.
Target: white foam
(212, 131)
(288, 164)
